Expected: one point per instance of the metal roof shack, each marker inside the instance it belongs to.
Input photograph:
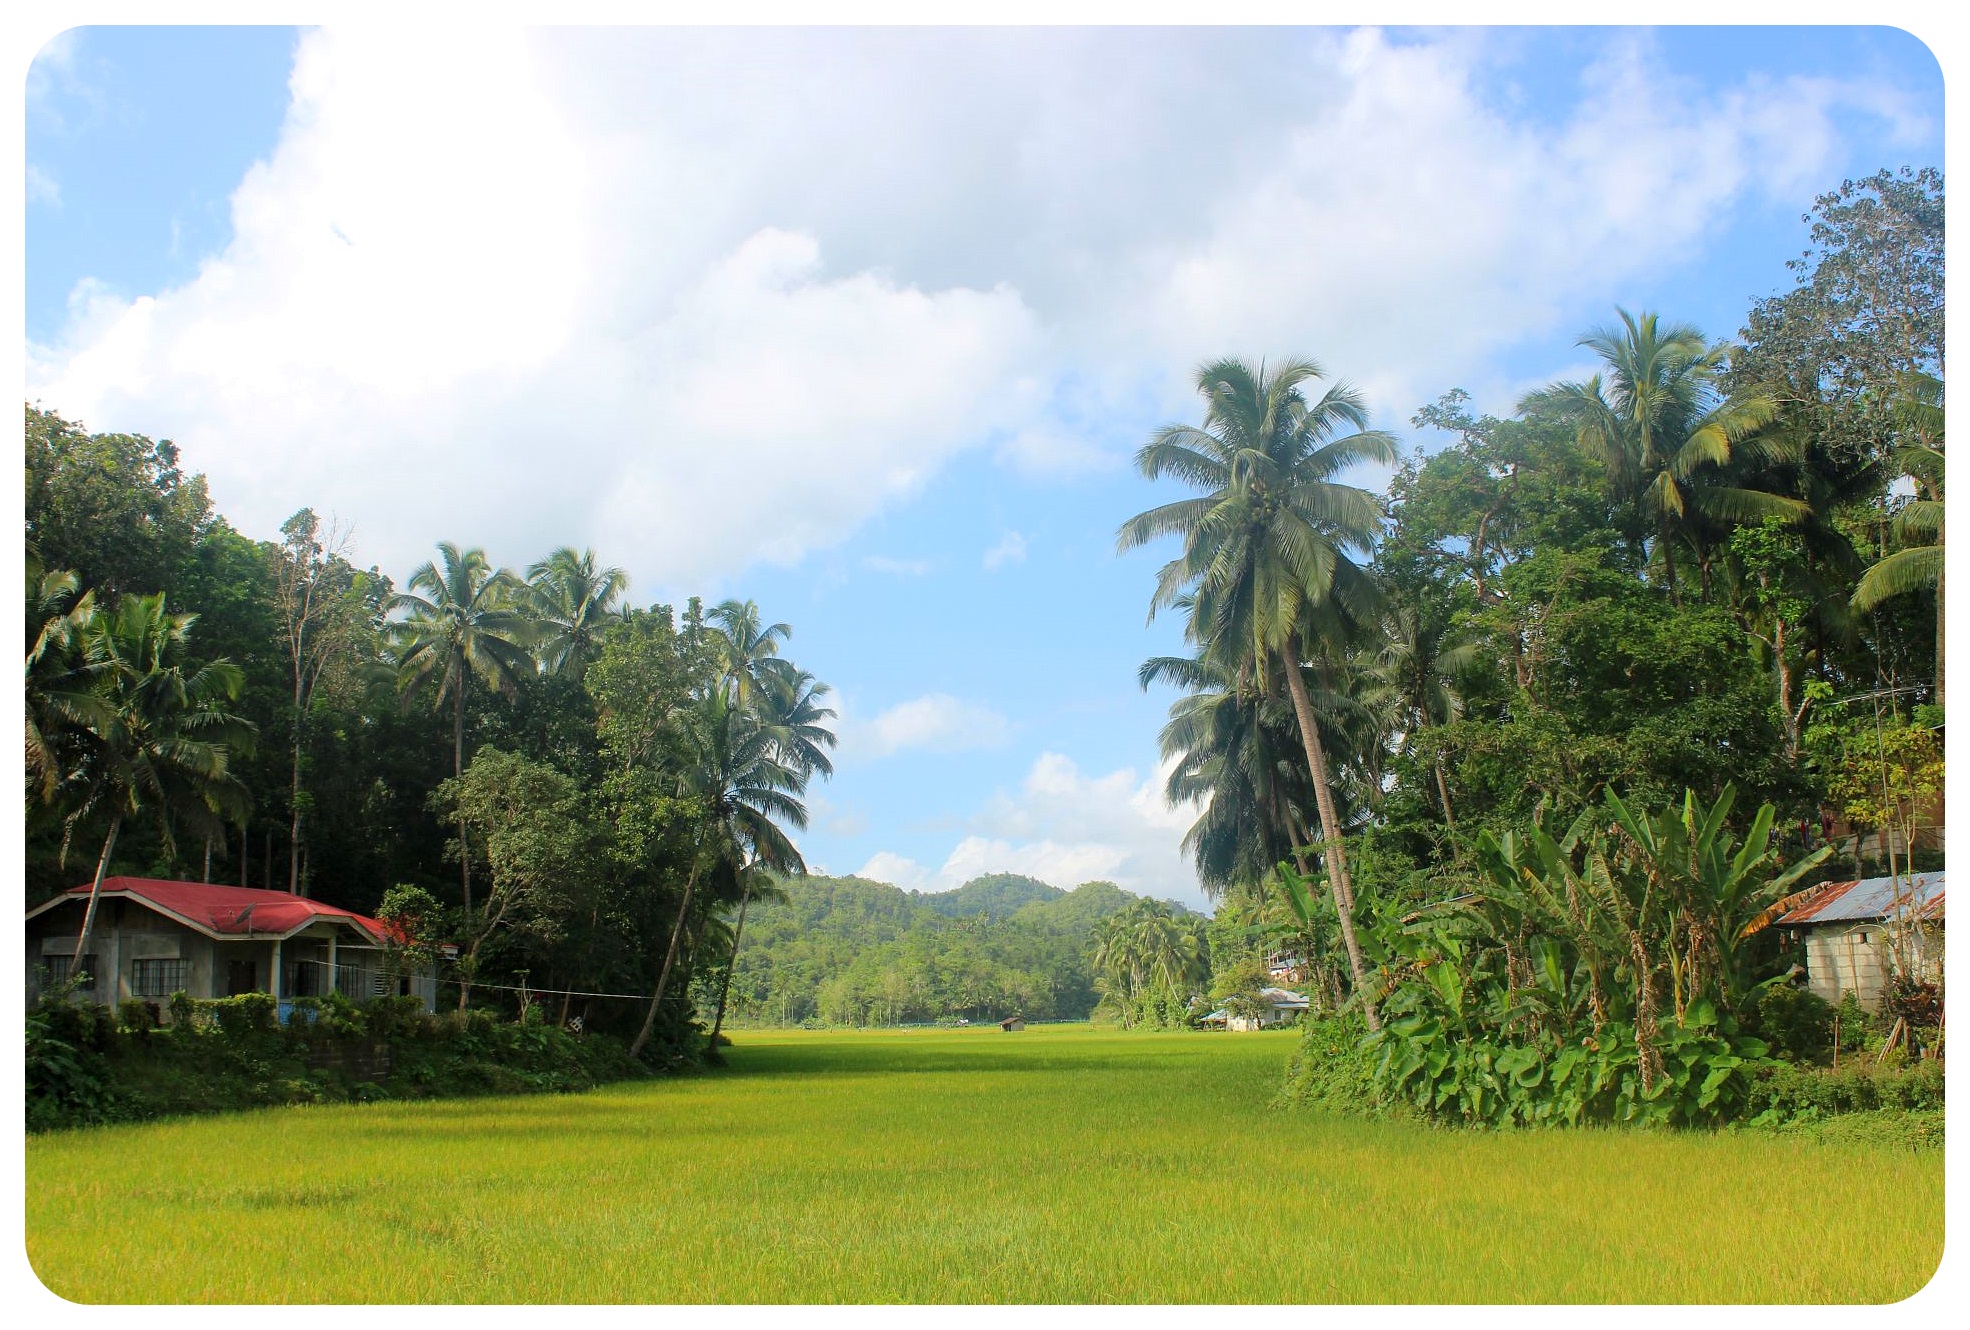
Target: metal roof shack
(1919, 895)
(1858, 934)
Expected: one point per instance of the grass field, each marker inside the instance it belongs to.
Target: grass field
(1056, 1165)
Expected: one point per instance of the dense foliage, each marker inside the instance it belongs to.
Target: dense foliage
(575, 793)
(1610, 676)
(90, 1065)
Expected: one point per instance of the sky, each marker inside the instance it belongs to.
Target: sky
(866, 325)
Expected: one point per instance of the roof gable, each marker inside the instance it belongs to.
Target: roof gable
(227, 913)
(1921, 894)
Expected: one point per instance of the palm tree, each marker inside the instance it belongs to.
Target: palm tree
(466, 621)
(1918, 527)
(794, 720)
(1418, 665)
(161, 740)
(751, 649)
(62, 694)
(732, 770)
(1265, 548)
(1668, 433)
(574, 603)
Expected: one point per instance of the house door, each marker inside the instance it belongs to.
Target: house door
(242, 977)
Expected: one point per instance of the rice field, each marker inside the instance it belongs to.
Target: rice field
(1060, 1164)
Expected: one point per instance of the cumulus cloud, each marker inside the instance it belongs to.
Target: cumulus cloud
(1065, 828)
(1010, 549)
(935, 722)
(42, 187)
(703, 298)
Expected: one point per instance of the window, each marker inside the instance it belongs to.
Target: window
(58, 968)
(158, 978)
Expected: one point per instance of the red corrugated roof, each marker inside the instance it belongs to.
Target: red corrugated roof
(234, 911)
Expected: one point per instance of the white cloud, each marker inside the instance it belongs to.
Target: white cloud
(936, 722)
(42, 187)
(1066, 828)
(702, 298)
(877, 563)
(1010, 549)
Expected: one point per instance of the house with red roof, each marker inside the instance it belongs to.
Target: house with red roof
(153, 938)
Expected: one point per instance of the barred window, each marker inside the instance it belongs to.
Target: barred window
(158, 978)
(59, 968)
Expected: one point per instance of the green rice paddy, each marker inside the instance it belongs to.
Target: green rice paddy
(1060, 1164)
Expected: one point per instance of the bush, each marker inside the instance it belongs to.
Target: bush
(1796, 1022)
(1333, 1069)
(249, 1013)
(1782, 1094)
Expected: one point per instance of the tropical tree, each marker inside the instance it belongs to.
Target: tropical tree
(1918, 525)
(729, 766)
(751, 649)
(314, 589)
(1265, 559)
(465, 619)
(62, 696)
(574, 603)
(790, 713)
(1418, 667)
(1661, 421)
(161, 739)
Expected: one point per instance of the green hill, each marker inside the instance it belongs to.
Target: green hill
(848, 951)
(995, 895)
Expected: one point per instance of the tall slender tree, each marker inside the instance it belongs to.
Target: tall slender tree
(1918, 525)
(1265, 559)
(464, 619)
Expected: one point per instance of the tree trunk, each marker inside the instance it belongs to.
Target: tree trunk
(1332, 854)
(294, 799)
(208, 857)
(245, 853)
(670, 958)
(95, 891)
(1939, 637)
(725, 986)
(458, 772)
(1443, 793)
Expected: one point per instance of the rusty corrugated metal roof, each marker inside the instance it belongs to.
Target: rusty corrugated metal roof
(1870, 898)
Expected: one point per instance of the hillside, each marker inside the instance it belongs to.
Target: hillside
(848, 951)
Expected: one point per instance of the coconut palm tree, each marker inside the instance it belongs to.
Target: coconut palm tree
(731, 768)
(62, 694)
(751, 649)
(1918, 527)
(1418, 665)
(161, 740)
(1265, 559)
(1660, 420)
(574, 604)
(465, 619)
(791, 714)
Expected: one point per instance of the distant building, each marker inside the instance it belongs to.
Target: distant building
(153, 938)
(1849, 930)
(1278, 1006)
(1013, 1023)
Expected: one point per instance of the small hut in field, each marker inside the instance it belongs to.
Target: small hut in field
(1013, 1023)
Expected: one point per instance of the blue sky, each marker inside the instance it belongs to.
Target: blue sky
(864, 326)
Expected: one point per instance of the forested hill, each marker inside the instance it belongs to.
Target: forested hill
(846, 950)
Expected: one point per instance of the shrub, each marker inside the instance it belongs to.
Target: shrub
(1796, 1022)
(249, 1013)
(1333, 1069)
(1781, 1093)
(134, 1017)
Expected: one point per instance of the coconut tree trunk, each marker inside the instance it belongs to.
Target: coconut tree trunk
(1332, 852)
(458, 773)
(95, 892)
(1939, 637)
(670, 959)
(1443, 793)
(725, 985)
(294, 798)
